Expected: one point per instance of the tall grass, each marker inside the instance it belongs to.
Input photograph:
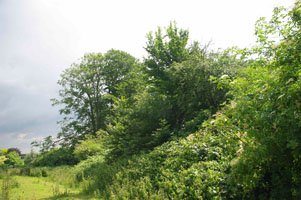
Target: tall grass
(8, 183)
(61, 175)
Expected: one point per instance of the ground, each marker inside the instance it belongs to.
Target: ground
(39, 188)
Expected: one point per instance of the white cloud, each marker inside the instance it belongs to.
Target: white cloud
(21, 136)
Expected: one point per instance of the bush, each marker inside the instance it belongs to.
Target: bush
(25, 171)
(2, 160)
(18, 151)
(13, 159)
(190, 168)
(55, 157)
(266, 108)
(3, 151)
(30, 158)
(90, 146)
(94, 174)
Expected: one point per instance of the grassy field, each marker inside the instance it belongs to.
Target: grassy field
(37, 188)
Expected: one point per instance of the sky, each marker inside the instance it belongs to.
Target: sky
(41, 38)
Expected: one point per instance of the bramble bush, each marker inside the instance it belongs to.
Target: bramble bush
(266, 107)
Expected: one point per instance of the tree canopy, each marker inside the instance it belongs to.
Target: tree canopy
(88, 90)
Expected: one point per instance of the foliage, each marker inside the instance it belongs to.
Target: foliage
(8, 184)
(94, 174)
(81, 94)
(164, 49)
(14, 149)
(2, 159)
(131, 131)
(55, 157)
(193, 97)
(267, 109)
(158, 138)
(30, 158)
(249, 149)
(3, 151)
(91, 145)
(87, 92)
(177, 106)
(47, 144)
(13, 159)
(137, 107)
(190, 168)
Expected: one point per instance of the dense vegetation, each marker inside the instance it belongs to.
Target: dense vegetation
(10, 158)
(187, 122)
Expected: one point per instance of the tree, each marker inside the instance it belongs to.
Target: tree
(88, 90)
(30, 158)
(47, 144)
(18, 151)
(13, 159)
(182, 74)
(174, 104)
(190, 91)
(132, 128)
(117, 66)
(82, 98)
(165, 49)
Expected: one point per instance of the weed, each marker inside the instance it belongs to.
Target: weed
(56, 190)
(8, 184)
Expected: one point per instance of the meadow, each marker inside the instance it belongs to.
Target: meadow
(41, 184)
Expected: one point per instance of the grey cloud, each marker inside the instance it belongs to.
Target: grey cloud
(25, 111)
(30, 63)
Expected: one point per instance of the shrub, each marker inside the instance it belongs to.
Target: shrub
(25, 171)
(14, 160)
(18, 151)
(266, 108)
(90, 146)
(3, 151)
(2, 160)
(56, 157)
(190, 168)
(30, 158)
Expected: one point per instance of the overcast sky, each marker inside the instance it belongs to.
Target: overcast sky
(40, 38)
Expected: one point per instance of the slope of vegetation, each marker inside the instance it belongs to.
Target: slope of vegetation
(188, 122)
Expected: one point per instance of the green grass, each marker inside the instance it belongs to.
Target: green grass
(40, 188)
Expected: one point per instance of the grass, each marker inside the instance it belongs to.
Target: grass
(40, 188)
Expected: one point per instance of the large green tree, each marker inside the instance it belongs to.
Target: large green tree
(165, 48)
(87, 92)
(13, 159)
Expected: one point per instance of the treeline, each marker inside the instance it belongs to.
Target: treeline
(187, 122)
(134, 106)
